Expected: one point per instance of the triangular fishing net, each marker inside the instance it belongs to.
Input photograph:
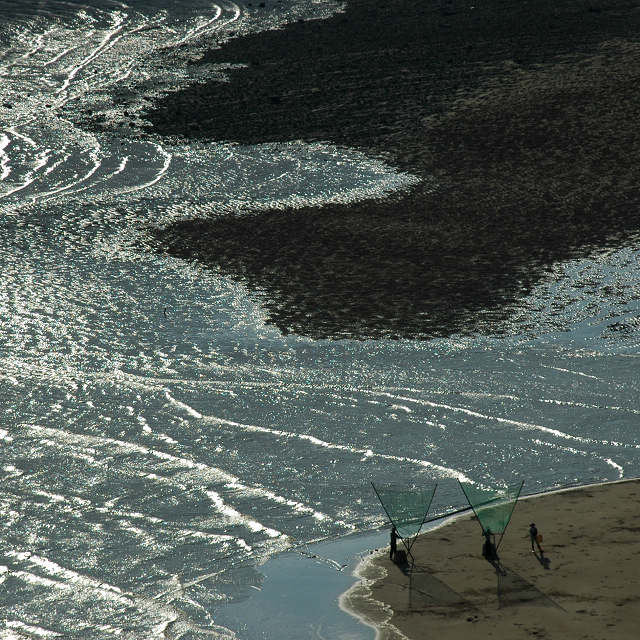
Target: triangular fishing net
(493, 507)
(406, 507)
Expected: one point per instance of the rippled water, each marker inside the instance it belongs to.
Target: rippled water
(158, 439)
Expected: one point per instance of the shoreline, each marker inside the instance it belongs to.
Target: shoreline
(300, 592)
(454, 589)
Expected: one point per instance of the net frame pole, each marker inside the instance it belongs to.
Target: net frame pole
(393, 523)
(515, 502)
(473, 508)
(475, 513)
(382, 503)
(424, 519)
(391, 520)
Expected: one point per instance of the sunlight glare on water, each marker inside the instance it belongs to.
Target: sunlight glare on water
(159, 439)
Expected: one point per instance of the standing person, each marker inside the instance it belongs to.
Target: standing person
(535, 538)
(489, 550)
(394, 542)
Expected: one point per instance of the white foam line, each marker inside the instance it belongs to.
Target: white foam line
(194, 32)
(75, 582)
(29, 179)
(235, 516)
(616, 466)
(104, 178)
(483, 416)
(213, 21)
(575, 373)
(401, 407)
(23, 136)
(30, 629)
(106, 43)
(587, 454)
(56, 164)
(367, 453)
(96, 165)
(56, 497)
(104, 46)
(297, 506)
(167, 162)
(37, 44)
(5, 141)
(181, 405)
(65, 52)
(584, 405)
(132, 380)
(66, 504)
(184, 531)
(58, 576)
(217, 475)
(41, 160)
(75, 438)
(387, 390)
(125, 75)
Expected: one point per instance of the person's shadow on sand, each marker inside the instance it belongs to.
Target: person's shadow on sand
(543, 560)
(401, 560)
(496, 564)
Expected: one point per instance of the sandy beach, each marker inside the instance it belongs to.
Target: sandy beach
(586, 585)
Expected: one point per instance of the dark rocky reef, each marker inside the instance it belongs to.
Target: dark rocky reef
(525, 112)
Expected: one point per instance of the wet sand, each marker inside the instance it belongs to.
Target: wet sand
(524, 116)
(586, 586)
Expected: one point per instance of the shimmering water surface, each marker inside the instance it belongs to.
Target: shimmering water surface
(158, 440)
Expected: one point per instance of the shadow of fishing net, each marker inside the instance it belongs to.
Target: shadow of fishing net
(428, 592)
(514, 590)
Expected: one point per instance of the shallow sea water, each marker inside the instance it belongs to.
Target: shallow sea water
(160, 441)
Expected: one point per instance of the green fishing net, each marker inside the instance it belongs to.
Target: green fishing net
(493, 507)
(406, 507)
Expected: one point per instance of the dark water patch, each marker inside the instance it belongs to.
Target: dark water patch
(536, 156)
(337, 274)
(355, 272)
(366, 75)
(542, 167)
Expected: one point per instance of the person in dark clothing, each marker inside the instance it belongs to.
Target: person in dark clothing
(489, 550)
(394, 542)
(536, 538)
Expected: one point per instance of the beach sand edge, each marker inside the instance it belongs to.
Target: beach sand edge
(584, 587)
